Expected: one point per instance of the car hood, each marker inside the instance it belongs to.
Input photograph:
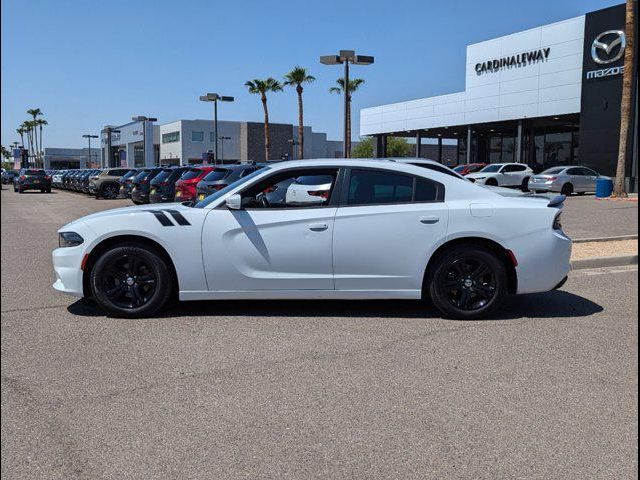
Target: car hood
(479, 174)
(117, 212)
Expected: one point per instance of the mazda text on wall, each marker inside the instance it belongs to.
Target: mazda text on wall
(355, 229)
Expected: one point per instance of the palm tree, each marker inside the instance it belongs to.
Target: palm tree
(628, 80)
(261, 87)
(41, 122)
(27, 127)
(354, 84)
(295, 78)
(21, 131)
(35, 113)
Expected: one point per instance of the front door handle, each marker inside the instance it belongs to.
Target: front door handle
(318, 227)
(429, 220)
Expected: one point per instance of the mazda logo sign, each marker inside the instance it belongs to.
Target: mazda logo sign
(604, 46)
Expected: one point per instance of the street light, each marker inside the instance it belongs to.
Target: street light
(222, 139)
(215, 98)
(346, 57)
(89, 137)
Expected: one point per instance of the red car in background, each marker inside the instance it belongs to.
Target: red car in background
(469, 168)
(186, 185)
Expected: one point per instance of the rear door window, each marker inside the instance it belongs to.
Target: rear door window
(215, 175)
(374, 187)
(191, 174)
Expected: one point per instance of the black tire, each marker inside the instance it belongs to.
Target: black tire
(581, 193)
(131, 281)
(492, 182)
(110, 191)
(525, 185)
(15, 189)
(467, 282)
(567, 189)
(48, 190)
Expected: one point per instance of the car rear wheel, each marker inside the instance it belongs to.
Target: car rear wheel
(467, 282)
(110, 191)
(131, 281)
(567, 189)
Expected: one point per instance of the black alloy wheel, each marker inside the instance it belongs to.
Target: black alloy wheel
(567, 189)
(525, 185)
(467, 282)
(131, 281)
(110, 191)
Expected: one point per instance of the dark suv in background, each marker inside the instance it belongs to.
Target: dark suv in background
(141, 185)
(125, 182)
(105, 183)
(220, 177)
(163, 186)
(32, 179)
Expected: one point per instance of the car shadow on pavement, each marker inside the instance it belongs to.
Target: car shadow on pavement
(555, 304)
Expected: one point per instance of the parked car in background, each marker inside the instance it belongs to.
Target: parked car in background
(56, 178)
(565, 180)
(466, 169)
(105, 184)
(428, 164)
(32, 179)
(163, 186)
(83, 186)
(126, 182)
(8, 176)
(309, 190)
(140, 185)
(187, 184)
(220, 177)
(504, 175)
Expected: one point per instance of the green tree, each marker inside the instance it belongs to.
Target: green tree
(296, 78)
(35, 113)
(6, 154)
(354, 84)
(262, 87)
(41, 122)
(396, 147)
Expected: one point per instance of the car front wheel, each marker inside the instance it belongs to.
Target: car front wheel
(467, 282)
(131, 281)
(492, 182)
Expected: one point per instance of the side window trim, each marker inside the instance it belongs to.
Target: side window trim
(346, 181)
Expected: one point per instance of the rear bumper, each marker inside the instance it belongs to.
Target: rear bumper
(160, 197)
(544, 260)
(66, 265)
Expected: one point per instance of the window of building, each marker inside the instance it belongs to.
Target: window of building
(171, 137)
(197, 136)
(212, 137)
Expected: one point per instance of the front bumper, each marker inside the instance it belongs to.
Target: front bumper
(67, 263)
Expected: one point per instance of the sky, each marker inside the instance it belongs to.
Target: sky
(88, 63)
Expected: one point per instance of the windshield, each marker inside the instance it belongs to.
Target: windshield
(491, 168)
(214, 196)
(217, 174)
(552, 171)
(191, 174)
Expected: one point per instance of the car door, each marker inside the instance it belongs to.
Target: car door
(386, 228)
(577, 179)
(513, 174)
(590, 178)
(271, 247)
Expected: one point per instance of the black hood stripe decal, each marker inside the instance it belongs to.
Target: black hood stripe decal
(177, 216)
(165, 221)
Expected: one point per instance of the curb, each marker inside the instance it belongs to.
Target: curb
(607, 239)
(600, 262)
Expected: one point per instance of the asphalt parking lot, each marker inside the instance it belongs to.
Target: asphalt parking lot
(312, 390)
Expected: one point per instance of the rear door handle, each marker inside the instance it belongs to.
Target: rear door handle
(429, 220)
(318, 227)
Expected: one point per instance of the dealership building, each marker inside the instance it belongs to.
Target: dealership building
(191, 142)
(546, 96)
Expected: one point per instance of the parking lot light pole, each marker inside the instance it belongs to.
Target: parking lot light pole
(89, 137)
(143, 120)
(346, 57)
(215, 98)
(222, 139)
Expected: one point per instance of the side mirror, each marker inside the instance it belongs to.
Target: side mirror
(234, 202)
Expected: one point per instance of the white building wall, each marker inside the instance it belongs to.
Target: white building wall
(544, 88)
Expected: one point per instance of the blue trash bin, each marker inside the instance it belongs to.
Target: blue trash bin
(604, 187)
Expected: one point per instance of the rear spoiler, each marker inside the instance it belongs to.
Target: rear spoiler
(556, 202)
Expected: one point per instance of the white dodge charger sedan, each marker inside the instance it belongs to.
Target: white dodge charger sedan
(376, 229)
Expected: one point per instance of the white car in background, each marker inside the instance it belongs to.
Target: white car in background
(309, 190)
(504, 175)
(383, 230)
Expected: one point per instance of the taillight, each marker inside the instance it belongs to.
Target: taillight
(551, 179)
(319, 193)
(47, 177)
(144, 180)
(164, 184)
(557, 221)
(22, 177)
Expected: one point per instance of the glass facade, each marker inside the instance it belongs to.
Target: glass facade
(197, 136)
(171, 137)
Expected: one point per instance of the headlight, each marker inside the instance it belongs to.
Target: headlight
(69, 239)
